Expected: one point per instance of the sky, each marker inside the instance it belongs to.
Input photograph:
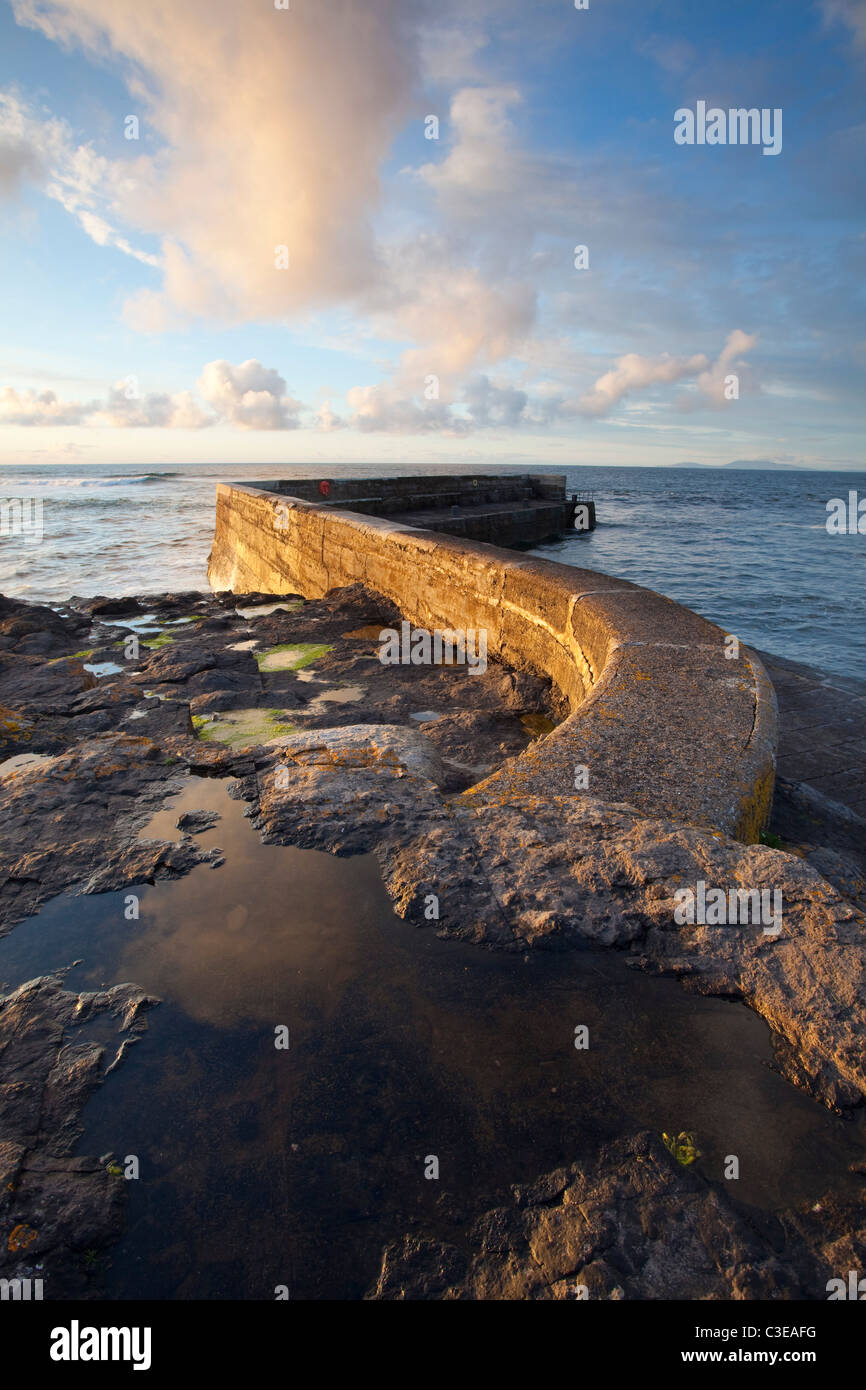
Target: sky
(411, 230)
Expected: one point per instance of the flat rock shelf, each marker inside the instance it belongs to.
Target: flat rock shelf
(227, 823)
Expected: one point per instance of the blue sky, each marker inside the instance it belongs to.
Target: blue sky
(431, 308)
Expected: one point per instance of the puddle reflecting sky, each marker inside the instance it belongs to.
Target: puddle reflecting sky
(263, 1167)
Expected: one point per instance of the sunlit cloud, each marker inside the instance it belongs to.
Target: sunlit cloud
(212, 79)
(264, 195)
(633, 372)
(248, 396)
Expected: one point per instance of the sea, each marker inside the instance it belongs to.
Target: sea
(749, 549)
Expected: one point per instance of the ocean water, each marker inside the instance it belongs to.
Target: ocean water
(748, 549)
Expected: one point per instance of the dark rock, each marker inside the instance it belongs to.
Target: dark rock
(75, 822)
(361, 793)
(57, 1212)
(195, 822)
(633, 1224)
(215, 701)
(842, 869)
(524, 692)
(474, 742)
(86, 725)
(143, 861)
(157, 718)
(556, 870)
(228, 599)
(36, 629)
(115, 607)
(804, 815)
(173, 664)
(246, 683)
(34, 686)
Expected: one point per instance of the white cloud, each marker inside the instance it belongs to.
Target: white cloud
(257, 150)
(711, 383)
(482, 404)
(458, 318)
(247, 396)
(43, 151)
(234, 182)
(490, 404)
(483, 158)
(632, 372)
(449, 53)
(327, 421)
(250, 396)
(124, 410)
(383, 408)
(38, 408)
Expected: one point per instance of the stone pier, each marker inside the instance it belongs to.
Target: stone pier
(662, 716)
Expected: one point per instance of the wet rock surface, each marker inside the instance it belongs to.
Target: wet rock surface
(526, 873)
(540, 874)
(184, 669)
(633, 1224)
(59, 1213)
(195, 822)
(73, 823)
(105, 705)
(331, 750)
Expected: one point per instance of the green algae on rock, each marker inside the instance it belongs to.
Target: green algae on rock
(265, 610)
(240, 728)
(291, 656)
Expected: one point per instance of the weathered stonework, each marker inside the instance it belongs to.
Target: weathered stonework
(660, 717)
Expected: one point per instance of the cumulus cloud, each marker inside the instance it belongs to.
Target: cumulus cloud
(250, 396)
(466, 294)
(482, 403)
(483, 153)
(327, 420)
(309, 186)
(458, 318)
(39, 408)
(489, 176)
(450, 53)
(633, 372)
(383, 408)
(257, 150)
(247, 396)
(712, 382)
(125, 409)
(489, 404)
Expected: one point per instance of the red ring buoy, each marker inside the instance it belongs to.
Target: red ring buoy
(324, 487)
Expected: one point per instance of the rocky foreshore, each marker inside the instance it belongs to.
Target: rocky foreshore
(633, 1224)
(108, 705)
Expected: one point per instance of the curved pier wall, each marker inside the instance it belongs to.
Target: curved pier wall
(660, 717)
